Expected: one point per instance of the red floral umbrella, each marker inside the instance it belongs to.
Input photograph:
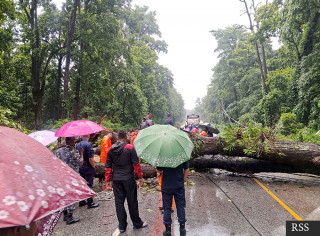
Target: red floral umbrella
(34, 183)
(78, 128)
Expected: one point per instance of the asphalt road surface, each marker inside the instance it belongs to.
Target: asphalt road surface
(219, 203)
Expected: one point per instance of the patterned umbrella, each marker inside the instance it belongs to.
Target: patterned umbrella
(34, 183)
(163, 146)
(45, 137)
(78, 128)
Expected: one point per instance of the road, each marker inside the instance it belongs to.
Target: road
(219, 203)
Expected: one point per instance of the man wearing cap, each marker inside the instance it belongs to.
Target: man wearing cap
(169, 120)
(71, 157)
(146, 121)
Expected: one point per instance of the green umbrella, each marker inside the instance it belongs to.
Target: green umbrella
(163, 146)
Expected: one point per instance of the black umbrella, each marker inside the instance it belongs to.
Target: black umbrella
(209, 127)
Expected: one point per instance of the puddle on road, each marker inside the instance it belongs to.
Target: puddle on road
(314, 215)
(207, 229)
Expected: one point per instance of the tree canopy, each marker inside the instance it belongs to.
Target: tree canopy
(85, 60)
(291, 72)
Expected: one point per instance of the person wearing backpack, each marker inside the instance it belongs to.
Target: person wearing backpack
(146, 121)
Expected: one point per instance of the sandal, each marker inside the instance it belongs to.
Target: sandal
(144, 224)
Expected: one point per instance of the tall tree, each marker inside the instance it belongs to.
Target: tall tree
(69, 39)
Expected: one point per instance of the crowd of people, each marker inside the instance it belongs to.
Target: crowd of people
(121, 162)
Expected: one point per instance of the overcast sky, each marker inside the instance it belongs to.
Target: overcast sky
(185, 26)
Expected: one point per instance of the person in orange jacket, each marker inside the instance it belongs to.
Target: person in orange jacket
(159, 174)
(134, 135)
(105, 146)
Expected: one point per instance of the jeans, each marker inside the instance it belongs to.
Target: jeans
(88, 173)
(180, 200)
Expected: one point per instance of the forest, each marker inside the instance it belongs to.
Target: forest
(255, 84)
(97, 57)
(85, 60)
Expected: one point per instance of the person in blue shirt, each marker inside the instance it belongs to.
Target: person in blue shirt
(87, 170)
(169, 121)
(173, 186)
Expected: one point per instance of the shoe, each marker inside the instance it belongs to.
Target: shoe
(166, 233)
(82, 203)
(93, 205)
(144, 224)
(71, 220)
(65, 214)
(122, 230)
(183, 232)
(161, 208)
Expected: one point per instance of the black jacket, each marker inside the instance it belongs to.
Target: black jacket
(122, 157)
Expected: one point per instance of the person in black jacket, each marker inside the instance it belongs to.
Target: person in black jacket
(169, 120)
(123, 159)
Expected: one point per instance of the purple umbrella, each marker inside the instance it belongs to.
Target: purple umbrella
(45, 137)
(78, 128)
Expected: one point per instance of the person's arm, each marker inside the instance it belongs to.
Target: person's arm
(185, 174)
(90, 154)
(186, 171)
(81, 156)
(108, 168)
(137, 166)
(91, 160)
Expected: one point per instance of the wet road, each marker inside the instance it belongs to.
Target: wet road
(217, 204)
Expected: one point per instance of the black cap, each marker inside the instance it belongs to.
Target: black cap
(169, 115)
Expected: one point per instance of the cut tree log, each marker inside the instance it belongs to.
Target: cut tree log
(283, 156)
(244, 165)
(147, 170)
(299, 155)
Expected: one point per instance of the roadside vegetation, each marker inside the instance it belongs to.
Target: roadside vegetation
(273, 92)
(85, 60)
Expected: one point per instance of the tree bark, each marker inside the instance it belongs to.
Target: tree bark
(147, 170)
(245, 165)
(57, 105)
(301, 156)
(262, 66)
(72, 23)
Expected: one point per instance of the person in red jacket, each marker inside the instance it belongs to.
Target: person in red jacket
(123, 159)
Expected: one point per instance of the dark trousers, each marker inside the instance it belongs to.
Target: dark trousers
(126, 189)
(180, 200)
(88, 173)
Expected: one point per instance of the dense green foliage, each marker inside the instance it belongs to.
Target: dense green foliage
(113, 69)
(290, 100)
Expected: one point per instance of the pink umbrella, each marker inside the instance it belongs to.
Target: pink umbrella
(34, 183)
(45, 137)
(78, 128)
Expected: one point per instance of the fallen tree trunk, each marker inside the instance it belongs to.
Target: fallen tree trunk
(244, 165)
(147, 170)
(283, 156)
(295, 154)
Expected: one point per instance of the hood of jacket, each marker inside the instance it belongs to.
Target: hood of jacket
(117, 148)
